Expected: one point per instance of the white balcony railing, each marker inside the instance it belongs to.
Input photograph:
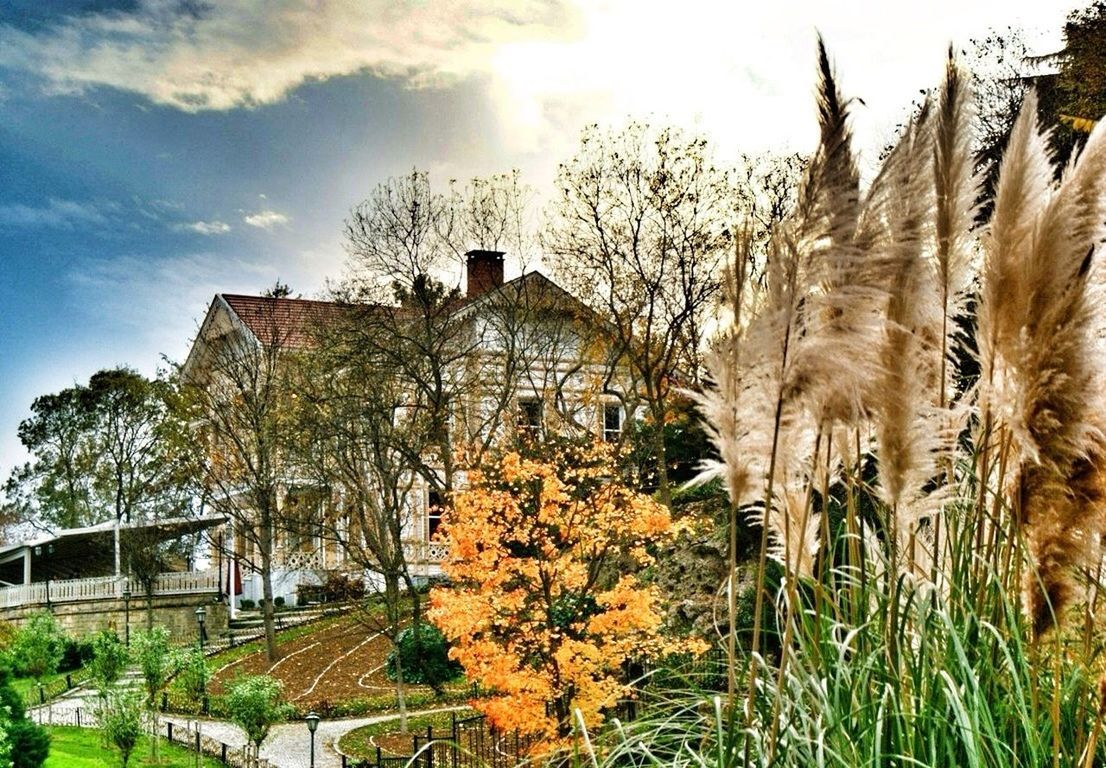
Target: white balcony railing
(421, 552)
(186, 583)
(106, 588)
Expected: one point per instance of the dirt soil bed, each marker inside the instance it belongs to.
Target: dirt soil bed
(342, 661)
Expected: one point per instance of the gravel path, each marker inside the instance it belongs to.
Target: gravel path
(288, 744)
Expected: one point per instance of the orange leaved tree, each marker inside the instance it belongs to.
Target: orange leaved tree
(545, 609)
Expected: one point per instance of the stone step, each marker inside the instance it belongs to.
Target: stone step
(246, 629)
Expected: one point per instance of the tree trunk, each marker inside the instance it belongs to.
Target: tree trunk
(267, 612)
(394, 602)
(401, 699)
(155, 733)
(115, 538)
(664, 493)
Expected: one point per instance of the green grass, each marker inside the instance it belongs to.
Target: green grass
(82, 748)
(53, 685)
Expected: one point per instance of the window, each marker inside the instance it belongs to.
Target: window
(529, 417)
(612, 422)
(433, 514)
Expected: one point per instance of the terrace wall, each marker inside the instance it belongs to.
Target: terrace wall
(177, 612)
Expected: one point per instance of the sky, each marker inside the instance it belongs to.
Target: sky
(156, 152)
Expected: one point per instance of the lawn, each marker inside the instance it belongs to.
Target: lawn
(81, 748)
(53, 685)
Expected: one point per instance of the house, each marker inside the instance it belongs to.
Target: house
(517, 360)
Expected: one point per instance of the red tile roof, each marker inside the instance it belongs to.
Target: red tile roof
(287, 322)
(290, 322)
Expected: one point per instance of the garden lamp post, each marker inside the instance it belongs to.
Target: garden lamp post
(312, 723)
(127, 614)
(201, 614)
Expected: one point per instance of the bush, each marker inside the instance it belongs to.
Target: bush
(193, 679)
(254, 704)
(30, 743)
(430, 582)
(278, 603)
(121, 721)
(7, 635)
(38, 646)
(339, 588)
(75, 654)
(109, 659)
(246, 604)
(425, 656)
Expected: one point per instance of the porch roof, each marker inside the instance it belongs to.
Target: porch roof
(88, 551)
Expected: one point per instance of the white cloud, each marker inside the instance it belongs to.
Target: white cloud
(57, 214)
(250, 52)
(265, 219)
(742, 73)
(205, 227)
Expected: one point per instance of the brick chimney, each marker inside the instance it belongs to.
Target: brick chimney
(484, 271)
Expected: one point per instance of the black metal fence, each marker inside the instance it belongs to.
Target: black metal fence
(36, 696)
(469, 742)
(193, 739)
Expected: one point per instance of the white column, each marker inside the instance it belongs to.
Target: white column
(116, 532)
(232, 571)
(26, 565)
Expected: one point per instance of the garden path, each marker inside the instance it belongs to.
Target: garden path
(288, 744)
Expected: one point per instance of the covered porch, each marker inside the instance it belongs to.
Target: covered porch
(89, 553)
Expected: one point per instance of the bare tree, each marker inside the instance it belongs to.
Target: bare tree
(412, 372)
(406, 244)
(766, 187)
(639, 230)
(356, 429)
(237, 400)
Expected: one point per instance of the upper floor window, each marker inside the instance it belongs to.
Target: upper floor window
(612, 422)
(529, 416)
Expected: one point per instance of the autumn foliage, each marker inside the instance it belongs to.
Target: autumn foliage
(546, 609)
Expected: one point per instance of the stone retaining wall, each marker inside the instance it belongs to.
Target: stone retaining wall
(177, 612)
